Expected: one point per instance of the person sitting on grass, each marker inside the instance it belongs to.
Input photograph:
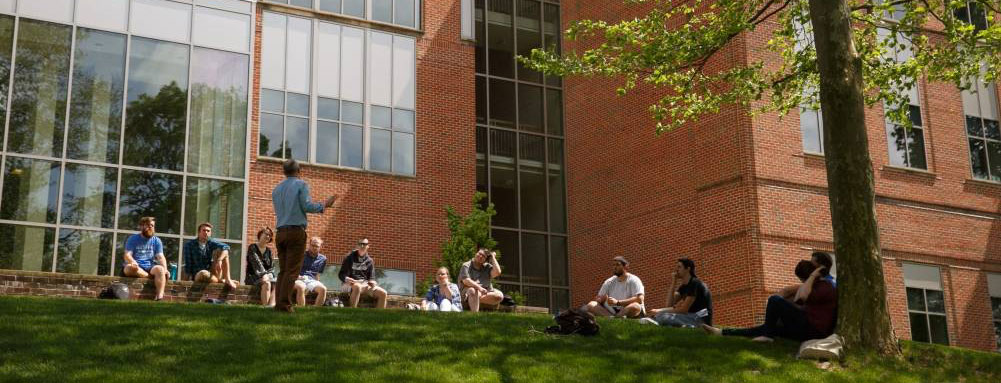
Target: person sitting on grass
(476, 276)
(621, 295)
(313, 264)
(140, 251)
(819, 259)
(206, 260)
(811, 314)
(443, 295)
(690, 306)
(356, 275)
(261, 267)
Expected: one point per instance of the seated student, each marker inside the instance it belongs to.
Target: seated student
(476, 277)
(140, 252)
(621, 295)
(690, 306)
(819, 259)
(356, 276)
(313, 264)
(206, 260)
(444, 295)
(783, 318)
(260, 266)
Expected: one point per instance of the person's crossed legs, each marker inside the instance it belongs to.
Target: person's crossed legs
(220, 268)
(475, 298)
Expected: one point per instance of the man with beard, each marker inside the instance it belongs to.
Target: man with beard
(621, 295)
(356, 275)
(313, 265)
(291, 203)
(140, 251)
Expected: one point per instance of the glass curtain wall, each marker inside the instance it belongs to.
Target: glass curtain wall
(520, 149)
(115, 110)
(337, 95)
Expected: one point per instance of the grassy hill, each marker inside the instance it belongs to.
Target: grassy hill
(63, 340)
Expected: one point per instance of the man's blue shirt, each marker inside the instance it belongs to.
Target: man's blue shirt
(291, 202)
(195, 259)
(313, 264)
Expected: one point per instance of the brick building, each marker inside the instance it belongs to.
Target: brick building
(746, 199)
(184, 110)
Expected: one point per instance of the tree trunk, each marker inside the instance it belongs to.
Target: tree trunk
(863, 317)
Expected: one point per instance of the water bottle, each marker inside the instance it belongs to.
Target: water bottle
(172, 268)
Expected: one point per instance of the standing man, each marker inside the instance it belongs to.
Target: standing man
(621, 295)
(291, 202)
(476, 276)
(140, 251)
(206, 260)
(688, 306)
(356, 275)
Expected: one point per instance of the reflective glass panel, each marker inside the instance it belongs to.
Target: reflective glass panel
(502, 103)
(379, 155)
(270, 144)
(919, 327)
(351, 146)
(507, 249)
(381, 117)
(535, 259)
(403, 120)
(273, 50)
(89, 196)
(6, 54)
(403, 153)
(26, 248)
(327, 142)
(557, 188)
(529, 20)
(148, 194)
(297, 138)
(84, 252)
(404, 14)
(939, 329)
(978, 158)
(221, 29)
(558, 260)
(536, 296)
(809, 127)
(298, 104)
(272, 100)
(503, 178)
(218, 136)
(98, 89)
(915, 299)
(30, 190)
(330, 6)
(382, 10)
(530, 108)
(554, 112)
(328, 108)
(352, 112)
(217, 202)
(354, 8)
(500, 34)
(532, 182)
(41, 83)
(157, 100)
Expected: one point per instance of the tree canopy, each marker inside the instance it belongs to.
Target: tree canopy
(669, 47)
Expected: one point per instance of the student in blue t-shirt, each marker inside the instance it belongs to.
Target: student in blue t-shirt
(140, 252)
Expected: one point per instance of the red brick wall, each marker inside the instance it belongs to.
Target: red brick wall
(403, 217)
(654, 199)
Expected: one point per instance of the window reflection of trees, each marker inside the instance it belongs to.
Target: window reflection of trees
(154, 129)
(150, 194)
(41, 83)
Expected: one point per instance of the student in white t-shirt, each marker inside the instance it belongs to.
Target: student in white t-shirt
(621, 295)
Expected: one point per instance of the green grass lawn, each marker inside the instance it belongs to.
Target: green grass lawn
(62, 340)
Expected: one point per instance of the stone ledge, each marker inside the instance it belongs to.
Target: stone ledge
(16, 282)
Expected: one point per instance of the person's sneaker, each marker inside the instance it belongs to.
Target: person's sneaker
(711, 330)
(648, 321)
(762, 339)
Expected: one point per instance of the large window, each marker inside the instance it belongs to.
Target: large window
(906, 147)
(980, 105)
(406, 13)
(994, 287)
(973, 13)
(120, 109)
(337, 95)
(519, 148)
(926, 304)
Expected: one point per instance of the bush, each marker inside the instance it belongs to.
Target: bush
(468, 234)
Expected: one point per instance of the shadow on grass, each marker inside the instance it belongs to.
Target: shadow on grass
(112, 341)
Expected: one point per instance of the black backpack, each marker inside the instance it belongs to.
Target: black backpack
(574, 321)
(117, 290)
